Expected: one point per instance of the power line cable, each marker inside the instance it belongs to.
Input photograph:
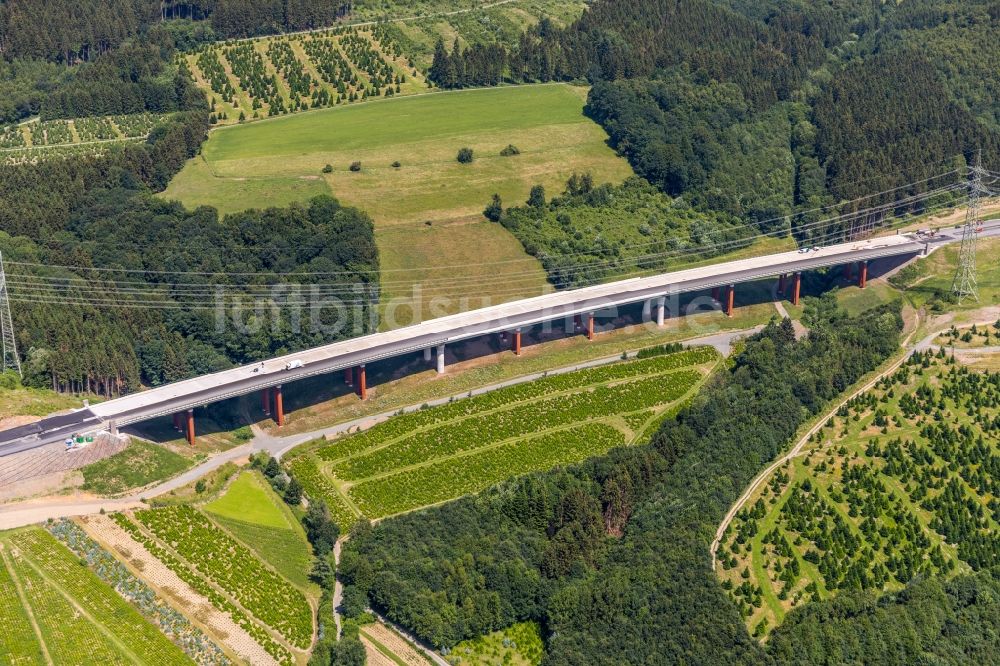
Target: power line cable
(452, 281)
(36, 292)
(39, 290)
(765, 222)
(173, 305)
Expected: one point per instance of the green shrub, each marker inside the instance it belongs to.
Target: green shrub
(494, 211)
(465, 155)
(9, 380)
(669, 348)
(536, 198)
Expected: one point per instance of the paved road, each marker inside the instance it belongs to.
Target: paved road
(436, 333)
(34, 511)
(603, 299)
(48, 430)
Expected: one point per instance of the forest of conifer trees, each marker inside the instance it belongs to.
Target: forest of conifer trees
(704, 97)
(90, 249)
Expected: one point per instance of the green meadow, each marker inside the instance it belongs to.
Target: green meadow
(274, 161)
(418, 205)
(251, 512)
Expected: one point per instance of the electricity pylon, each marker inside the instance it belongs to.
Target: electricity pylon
(964, 283)
(10, 357)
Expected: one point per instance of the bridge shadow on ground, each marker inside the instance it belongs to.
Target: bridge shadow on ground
(313, 391)
(818, 282)
(214, 425)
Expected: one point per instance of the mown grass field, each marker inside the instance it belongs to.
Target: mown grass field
(53, 610)
(428, 210)
(493, 268)
(251, 512)
(434, 455)
(929, 281)
(139, 464)
(889, 489)
(424, 134)
(197, 185)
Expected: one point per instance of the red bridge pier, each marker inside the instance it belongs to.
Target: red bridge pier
(279, 406)
(362, 382)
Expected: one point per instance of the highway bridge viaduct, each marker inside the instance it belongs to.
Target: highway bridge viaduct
(431, 337)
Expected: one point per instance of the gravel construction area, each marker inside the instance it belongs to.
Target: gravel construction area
(55, 458)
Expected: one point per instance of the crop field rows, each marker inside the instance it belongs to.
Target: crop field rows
(279, 75)
(432, 455)
(172, 623)
(903, 482)
(236, 586)
(384, 645)
(229, 625)
(31, 141)
(258, 518)
(234, 568)
(53, 610)
(502, 23)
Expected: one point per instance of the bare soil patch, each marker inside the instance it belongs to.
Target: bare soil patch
(178, 593)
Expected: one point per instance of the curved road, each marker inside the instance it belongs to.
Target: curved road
(923, 345)
(34, 511)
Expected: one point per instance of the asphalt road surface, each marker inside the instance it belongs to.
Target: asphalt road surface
(206, 389)
(48, 430)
